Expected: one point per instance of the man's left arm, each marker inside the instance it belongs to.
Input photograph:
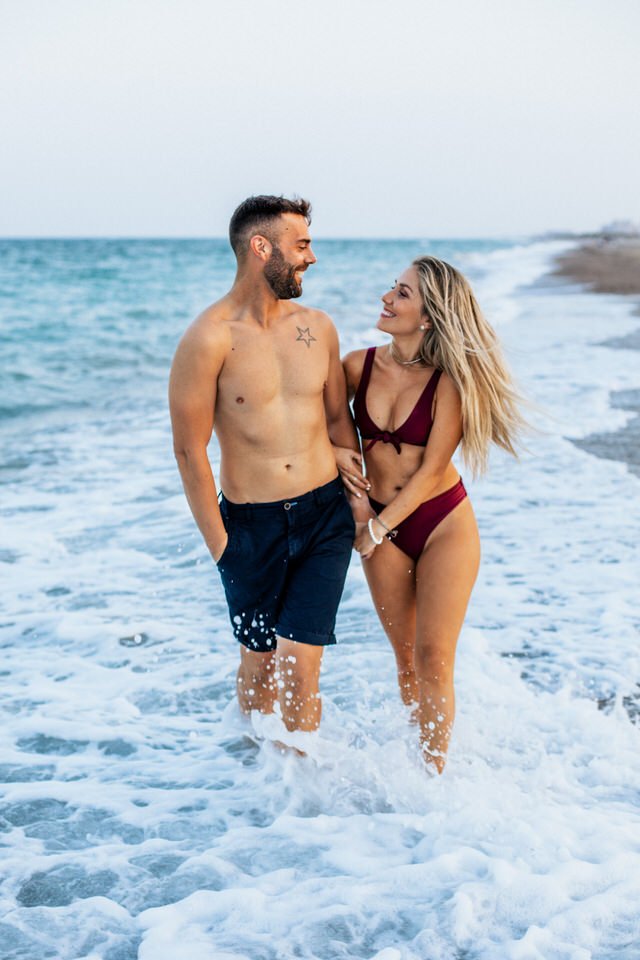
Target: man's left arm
(340, 425)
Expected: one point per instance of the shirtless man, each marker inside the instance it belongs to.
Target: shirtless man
(265, 374)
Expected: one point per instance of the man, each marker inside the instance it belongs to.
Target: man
(265, 374)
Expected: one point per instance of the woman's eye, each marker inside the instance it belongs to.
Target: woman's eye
(403, 294)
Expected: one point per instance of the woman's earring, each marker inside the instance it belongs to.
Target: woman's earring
(422, 326)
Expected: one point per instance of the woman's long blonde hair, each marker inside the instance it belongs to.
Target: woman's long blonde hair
(463, 344)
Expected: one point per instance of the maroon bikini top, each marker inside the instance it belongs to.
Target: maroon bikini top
(416, 428)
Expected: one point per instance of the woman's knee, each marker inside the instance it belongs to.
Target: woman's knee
(434, 664)
(404, 653)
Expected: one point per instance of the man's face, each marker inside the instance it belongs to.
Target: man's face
(291, 254)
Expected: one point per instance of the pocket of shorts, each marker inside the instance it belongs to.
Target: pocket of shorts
(225, 553)
(234, 538)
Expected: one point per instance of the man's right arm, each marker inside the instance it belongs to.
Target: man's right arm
(192, 398)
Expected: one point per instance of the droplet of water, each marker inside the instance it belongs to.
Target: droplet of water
(137, 640)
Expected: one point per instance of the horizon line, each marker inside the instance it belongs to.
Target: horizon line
(545, 235)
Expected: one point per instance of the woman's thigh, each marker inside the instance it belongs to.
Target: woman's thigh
(390, 574)
(446, 572)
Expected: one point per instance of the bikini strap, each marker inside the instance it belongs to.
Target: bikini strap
(366, 372)
(425, 403)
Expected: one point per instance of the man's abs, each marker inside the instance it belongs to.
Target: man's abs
(270, 417)
(282, 463)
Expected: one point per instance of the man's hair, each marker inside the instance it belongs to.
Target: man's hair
(258, 215)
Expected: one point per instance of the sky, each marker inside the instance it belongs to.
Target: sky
(402, 118)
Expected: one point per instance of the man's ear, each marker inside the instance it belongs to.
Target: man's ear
(260, 247)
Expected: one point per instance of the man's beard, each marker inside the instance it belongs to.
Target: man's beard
(281, 276)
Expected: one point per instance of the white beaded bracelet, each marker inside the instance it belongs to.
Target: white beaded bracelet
(372, 534)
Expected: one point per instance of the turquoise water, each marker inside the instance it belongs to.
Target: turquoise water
(89, 322)
(140, 816)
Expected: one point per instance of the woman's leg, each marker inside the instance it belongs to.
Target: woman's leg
(390, 574)
(446, 572)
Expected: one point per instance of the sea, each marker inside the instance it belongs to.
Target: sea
(141, 817)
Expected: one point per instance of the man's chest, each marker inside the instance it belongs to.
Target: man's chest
(289, 364)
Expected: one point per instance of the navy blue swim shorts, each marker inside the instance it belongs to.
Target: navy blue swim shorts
(284, 566)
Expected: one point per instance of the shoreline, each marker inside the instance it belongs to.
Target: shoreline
(610, 265)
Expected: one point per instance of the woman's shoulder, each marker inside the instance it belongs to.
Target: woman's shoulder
(447, 392)
(354, 359)
(353, 364)
(445, 383)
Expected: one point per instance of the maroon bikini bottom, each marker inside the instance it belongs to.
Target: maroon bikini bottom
(412, 533)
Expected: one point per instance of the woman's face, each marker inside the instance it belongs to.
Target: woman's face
(402, 312)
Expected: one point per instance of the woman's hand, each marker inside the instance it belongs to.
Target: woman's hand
(349, 465)
(364, 543)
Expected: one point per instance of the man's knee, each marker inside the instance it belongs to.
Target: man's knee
(298, 667)
(256, 667)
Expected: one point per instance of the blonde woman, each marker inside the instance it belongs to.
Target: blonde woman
(441, 383)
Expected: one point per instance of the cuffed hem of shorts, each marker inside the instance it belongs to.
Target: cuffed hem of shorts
(305, 636)
(257, 645)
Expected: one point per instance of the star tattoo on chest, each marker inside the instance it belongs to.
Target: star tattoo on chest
(305, 335)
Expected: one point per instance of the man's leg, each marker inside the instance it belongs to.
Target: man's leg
(297, 677)
(255, 681)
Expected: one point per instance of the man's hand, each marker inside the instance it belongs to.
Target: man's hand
(217, 554)
(349, 465)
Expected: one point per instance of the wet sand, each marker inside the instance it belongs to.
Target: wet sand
(606, 265)
(611, 265)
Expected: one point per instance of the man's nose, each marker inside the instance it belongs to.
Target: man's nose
(311, 257)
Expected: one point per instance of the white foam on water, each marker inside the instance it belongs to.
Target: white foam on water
(142, 816)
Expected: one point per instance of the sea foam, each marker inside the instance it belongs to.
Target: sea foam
(143, 817)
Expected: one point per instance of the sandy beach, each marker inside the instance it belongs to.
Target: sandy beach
(606, 265)
(611, 265)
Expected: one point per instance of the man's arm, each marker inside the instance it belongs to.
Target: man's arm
(192, 398)
(340, 425)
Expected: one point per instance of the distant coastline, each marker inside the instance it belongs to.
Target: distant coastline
(610, 264)
(606, 263)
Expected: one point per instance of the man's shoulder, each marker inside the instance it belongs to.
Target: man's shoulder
(300, 313)
(318, 324)
(210, 328)
(203, 346)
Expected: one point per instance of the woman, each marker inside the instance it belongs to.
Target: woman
(439, 384)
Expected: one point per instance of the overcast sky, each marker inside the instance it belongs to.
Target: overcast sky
(398, 118)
